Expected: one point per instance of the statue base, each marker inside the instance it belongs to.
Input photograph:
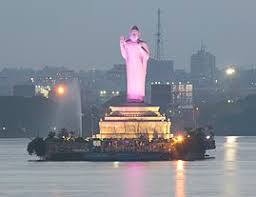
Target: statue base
(134, 120)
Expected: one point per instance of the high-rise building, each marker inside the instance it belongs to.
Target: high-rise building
(182, 95)
(203, 64)
(161, 95)
(181, 75)
(174, 95)
(160, 70)
(176, 101)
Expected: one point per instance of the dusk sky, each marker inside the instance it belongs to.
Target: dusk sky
(85, 33)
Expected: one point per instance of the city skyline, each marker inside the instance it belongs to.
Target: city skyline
(74, 34)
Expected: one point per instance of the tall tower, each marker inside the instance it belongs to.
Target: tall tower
(159, 41)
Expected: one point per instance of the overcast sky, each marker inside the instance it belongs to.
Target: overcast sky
(85, 33)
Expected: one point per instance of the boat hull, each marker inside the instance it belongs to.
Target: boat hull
(124, 156)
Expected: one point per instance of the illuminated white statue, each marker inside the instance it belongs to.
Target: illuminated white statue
(135, 53)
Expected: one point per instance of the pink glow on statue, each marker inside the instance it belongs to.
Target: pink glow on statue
(136, 54)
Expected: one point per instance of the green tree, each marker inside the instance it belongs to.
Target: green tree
(31, 147)
(80, 139)
(37, 146)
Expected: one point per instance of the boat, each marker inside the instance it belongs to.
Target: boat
(109, 156)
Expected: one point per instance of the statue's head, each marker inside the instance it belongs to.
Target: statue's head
(134, 34)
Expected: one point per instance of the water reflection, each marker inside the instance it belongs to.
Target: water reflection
(230, 148)
(180, 179)
(135, 180)
(57, 194)
(116, 164)
(230, 168)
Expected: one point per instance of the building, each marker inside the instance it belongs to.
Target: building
(105, 95)
(6, 88)
(24, 90)
(176, 101)
(181, 109)
(41, 90)
(172, 95)
(160, 70)
(161, 95)
(49, 76)
(117, 73)
(203, 65)
(133, 120)
(182, 95)
(181, 75)
(9, 77)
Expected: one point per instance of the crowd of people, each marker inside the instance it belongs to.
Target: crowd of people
(112, 145)
(133, 145)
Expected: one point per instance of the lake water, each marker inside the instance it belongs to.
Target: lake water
(232, 173)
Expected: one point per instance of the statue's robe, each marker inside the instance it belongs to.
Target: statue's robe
(136, 56)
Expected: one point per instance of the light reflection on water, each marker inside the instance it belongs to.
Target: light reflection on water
(231, 174)
(230, 156)
(180, 179)
(116, 164)
(134, 180)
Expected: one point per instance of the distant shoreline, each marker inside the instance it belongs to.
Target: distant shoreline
(215, 136)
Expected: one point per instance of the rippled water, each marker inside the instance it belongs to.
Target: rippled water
(232, 173)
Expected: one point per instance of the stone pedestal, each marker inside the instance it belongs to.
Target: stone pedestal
(133, 120)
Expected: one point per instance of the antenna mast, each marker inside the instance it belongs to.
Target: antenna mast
(158, 52)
